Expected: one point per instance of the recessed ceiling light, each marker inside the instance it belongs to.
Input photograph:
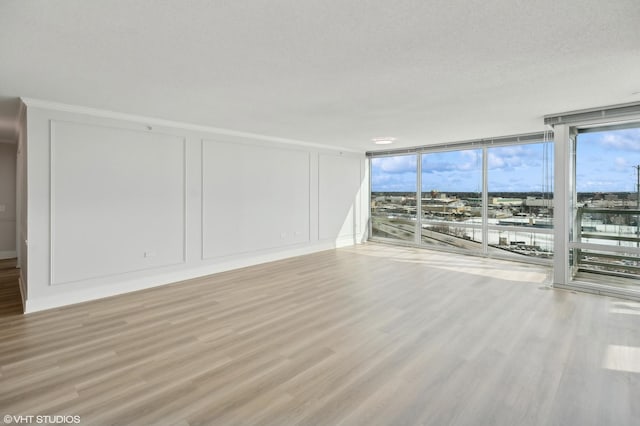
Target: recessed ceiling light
(383, 141)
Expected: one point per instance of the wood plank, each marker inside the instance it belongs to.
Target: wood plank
(372, 334)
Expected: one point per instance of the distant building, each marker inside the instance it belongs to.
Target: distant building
(538, 202)
(502, 201)
(474, 202)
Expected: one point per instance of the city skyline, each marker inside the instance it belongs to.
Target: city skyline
(604, 163)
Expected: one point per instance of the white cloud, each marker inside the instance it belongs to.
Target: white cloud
(467, 160)
(513, 157)
(622, 140)
(622, 164)
(397, 164)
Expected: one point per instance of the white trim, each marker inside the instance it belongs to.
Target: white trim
(21, 173)
(310, 162)
(174, 124)
(561, 191)
(8, 254)
(365, 201)
(52, 200)
(369, 190)
(185, 191)
(202, 182)
(316, 190)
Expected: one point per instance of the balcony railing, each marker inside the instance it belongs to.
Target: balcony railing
(607, 241)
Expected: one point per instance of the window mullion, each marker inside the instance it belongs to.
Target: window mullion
(485, 202)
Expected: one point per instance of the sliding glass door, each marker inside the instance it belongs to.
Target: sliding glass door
(606, 226)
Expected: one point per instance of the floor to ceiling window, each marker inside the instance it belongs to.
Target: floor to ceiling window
(451, 199)
(573, 202)
(520, 198)
(393, 197)
(487, 197)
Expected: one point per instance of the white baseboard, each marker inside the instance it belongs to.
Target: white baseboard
(345, 241)
(8, 254)
(98, 292)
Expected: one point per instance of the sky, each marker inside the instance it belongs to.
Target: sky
(604, 163)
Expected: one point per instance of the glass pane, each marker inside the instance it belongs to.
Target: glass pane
(393, 197)
(447, 234)
(607, 185)
(520, 194)
(517, 242)
(452, 199)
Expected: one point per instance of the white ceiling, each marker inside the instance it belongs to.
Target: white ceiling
(334, 72)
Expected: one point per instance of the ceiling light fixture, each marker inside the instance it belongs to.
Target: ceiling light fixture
(383, 141)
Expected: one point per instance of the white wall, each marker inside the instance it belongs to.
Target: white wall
(252, 203)
(340, 178)
(119, 203)
(7, 200)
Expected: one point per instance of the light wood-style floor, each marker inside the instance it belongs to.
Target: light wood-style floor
(370, 335)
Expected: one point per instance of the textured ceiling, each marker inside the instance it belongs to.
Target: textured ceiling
(331, 72)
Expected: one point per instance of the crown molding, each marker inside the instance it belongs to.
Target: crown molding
(140, 119)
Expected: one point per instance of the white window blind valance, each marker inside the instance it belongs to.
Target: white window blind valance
(592, 114)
